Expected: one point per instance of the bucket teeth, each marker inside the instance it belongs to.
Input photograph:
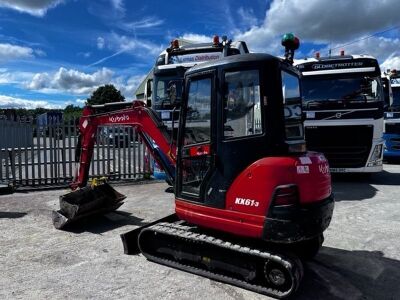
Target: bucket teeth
(86, 202)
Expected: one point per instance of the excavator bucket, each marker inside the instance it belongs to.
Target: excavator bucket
(85, 202)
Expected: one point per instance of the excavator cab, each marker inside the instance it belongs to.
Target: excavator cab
(244, 180)
(241, 123)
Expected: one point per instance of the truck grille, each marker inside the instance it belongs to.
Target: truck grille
(343, 146)
(392, 128)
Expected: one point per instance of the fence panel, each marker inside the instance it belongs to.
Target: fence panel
(45, 155)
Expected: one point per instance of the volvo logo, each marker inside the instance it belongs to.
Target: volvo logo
(338, 115)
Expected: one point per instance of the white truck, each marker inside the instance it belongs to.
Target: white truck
(171, 65)
(343, 103)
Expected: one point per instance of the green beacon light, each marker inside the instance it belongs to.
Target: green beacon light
(291, 43)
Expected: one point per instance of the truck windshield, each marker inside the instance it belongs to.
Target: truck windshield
(161, 95)
(351, 90)
(396, 98)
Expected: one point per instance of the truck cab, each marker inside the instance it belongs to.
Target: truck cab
(170, 67)
(343, 103)
(392, 116)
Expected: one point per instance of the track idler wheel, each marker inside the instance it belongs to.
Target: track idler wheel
(280, 278)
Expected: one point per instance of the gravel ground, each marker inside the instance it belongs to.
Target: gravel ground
(360, 258)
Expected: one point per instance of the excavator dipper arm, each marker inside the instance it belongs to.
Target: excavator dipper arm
(85, 201)
(147, 125)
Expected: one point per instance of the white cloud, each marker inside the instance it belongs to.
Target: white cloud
(320, 21)
(7, 77)
(72, 81)
(100, 42)
(392, 62)
(80, 102)
(383, 49)
(85, 54)
(39, 81)
(247, 17)
(147, 22)
(79, 82)
(132, 46)
(118, 5)
(129, 86)
(34, 7)
(10, 52)
(12, 102)
(330, 21)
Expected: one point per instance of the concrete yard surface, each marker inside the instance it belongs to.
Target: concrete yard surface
(360, 258)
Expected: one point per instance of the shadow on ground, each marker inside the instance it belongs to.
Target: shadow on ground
(352, 190)
(341, 274)
(11, 215)
(358, 187)
(103, 223)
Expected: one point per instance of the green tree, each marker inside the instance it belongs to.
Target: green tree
(71, 112)
(105, 94)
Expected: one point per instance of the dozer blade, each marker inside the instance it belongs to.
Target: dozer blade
(85, 202)
(130, 238)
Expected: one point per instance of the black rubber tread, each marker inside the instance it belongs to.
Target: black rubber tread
(291, 263)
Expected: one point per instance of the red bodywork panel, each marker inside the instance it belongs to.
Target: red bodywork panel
(249, 197)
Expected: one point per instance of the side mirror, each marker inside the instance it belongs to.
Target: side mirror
(174, 92)
(148, 91)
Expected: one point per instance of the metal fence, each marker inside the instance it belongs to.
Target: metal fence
(35, 156)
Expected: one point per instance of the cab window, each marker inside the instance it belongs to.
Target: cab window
(242, 109)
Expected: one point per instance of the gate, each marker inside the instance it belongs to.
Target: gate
(36, 156)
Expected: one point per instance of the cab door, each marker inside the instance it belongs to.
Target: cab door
(195, 161)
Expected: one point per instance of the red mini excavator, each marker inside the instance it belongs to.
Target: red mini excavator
(249, 199)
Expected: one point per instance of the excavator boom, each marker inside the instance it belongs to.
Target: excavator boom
(90, 200)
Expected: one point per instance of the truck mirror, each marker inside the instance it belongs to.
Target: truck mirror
(148, 87)
(148, 92)
(173, 92)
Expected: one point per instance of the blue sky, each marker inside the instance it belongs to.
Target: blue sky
(56, 52)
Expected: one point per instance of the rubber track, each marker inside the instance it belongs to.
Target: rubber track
(293, 265)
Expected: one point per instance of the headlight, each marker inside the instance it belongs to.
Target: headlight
(376, 157)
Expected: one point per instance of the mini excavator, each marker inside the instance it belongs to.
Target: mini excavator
(250, 201)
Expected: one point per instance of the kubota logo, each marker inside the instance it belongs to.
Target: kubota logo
(247, 202)
(117, 119)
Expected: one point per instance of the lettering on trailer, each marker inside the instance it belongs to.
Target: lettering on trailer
(117, 119)
(355, 64)
(187, 58)
(247, 202)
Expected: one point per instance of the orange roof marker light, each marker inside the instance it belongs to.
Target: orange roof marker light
(216, 40)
